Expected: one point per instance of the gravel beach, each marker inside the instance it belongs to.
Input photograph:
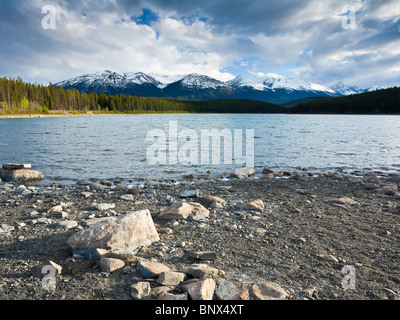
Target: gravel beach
(298, 231)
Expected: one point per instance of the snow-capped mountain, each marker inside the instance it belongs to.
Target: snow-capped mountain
(197, 86)
(347, 90)
(198, 81)
(274, 83)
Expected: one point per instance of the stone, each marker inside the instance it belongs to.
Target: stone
(257, 205)
(155, 292)
(173, 297)
(268, 291)
(110, 264)
(370, 186)
(124, 233)
(127, 197)
(171, 278)
(104, 206)
(140, 290)
(87, 194)
(97, 186)
(37, 271)
(210, 201)
(21, 175)
(189, 194)
(69, 224)
(231, 290)
(390, 190)
(204, 177)
(4, 228)
(347, 201)
(148, 269)
(182, 210)
(16, 166)
(203, 255)
(268, 176)
(243, 173)
(267, 171)
(201, 290)
(202, 271)
(189, 176)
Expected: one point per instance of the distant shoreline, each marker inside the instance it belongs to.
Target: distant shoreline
(61, 114)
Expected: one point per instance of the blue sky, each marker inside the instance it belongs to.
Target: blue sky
(302, 39)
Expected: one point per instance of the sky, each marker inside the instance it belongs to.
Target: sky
(356, 42)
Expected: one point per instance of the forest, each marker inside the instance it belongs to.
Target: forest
(386, 101)
(18, 97)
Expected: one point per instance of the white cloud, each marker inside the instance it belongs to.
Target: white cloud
(306, 35)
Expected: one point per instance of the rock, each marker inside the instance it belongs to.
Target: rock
(134, 191)
(69, 224)
(243, 173)
(189, 176)
(346, 201)
(155, 292)
(267, 171)
(37, 271)
(202, 271)
(231, 290)
(4, 228)
(211, 201)
(148, 269)
(257, 205)
(268, 176)
(127, 197)
(16, 166)
(204, 177)
(104, 206)
(200, 290)
(87, 194)
(106, 183)
(268, 291)
(140, 290)
(370, 186)
(21, 175)
(124, 233)
(172, 297)
(97, 186)
(390, 190)
(171, 278)
(189, 194)
(182, 210)
(110, 264)
(203, 255)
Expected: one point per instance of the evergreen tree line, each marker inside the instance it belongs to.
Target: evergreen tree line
(18, 97)
(385, 101)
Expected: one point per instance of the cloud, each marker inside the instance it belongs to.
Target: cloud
(301, 38)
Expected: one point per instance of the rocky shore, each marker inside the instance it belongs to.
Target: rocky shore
(282, 236)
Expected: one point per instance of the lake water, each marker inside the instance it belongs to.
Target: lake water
(115, 147)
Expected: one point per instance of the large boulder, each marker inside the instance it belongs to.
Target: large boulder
(118, 234)
(21, 175)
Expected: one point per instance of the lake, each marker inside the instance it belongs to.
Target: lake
(118, 147)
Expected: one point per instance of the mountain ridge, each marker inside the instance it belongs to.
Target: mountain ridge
(198, 87)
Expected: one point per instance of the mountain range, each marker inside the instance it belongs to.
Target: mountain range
(201, 87)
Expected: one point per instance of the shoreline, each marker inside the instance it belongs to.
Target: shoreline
(307, 229)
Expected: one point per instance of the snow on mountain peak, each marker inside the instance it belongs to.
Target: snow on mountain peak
(195, 80)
